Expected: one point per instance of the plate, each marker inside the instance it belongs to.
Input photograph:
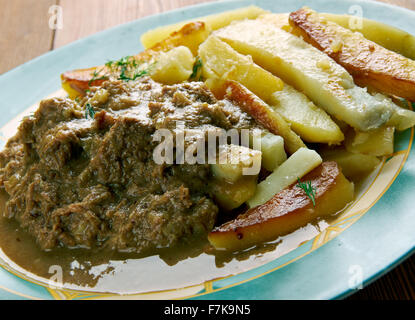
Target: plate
(366, 241)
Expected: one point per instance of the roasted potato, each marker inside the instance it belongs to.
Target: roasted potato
(287, 211)
(174, 66)
(370, 64)
(76, 82)
(214, 22)
(272, 148)
(355, 166)
(231, 195)
(311, 123)
(234, 162)
(298, 165)
(378, 142)
(309, 70)
(221, 63)
(263, 114)
(383, 34)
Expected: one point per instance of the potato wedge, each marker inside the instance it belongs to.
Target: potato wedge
(389, 37)
(401, 119)
(298, 165)
(234, 162)
(311, 123)
(383, 34)
(76, 82)
(370, 64)
(355, 166)
(279, 20)
(221, 62)
(376, 143)
(287, 211)
(272, 148)
(230, 195)
(263, 114)
(214, 22)
(309, 70)
(174, 66)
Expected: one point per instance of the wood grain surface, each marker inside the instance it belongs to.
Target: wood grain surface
(25, 34)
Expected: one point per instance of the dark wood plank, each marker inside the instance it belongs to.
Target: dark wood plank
(24, 31)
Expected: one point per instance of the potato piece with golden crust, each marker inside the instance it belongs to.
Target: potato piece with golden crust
(263, 114)
(383, 34)
(309, 70)
(76, 82)
(370, 64)
(272, 148)
(355, 166)
(296, 166)
(174, 66)
(377, 143)
(221, 62)
(286, 211)
(310, 122)
(231, 195)
(214, 22)
(234, 162)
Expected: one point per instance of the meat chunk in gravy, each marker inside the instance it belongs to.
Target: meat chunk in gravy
(77, 179)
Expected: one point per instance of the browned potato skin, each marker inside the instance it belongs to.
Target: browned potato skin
(263, 114)
(286, 211)
(82, 79)
(370, 64)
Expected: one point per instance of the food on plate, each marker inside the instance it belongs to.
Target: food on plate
(263, 114)
(272, 148)
(355, 166)
(231, 129)
(377, 143)
(213, 22)
(233, 163)
(383, 34)
(288, 210)
(221, 63)
(370, 64)
(77, 82)
(231, 195)
(309, 70)
(174, 66)
(84, 174)
(402, 118)
(298, 165)
(310, 122)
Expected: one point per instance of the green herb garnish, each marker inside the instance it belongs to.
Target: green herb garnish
(127, 68)
(136, 75)
(89, 111)
(95, 76)
(197, 66)
(308, 189)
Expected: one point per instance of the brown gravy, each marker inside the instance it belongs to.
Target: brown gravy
(111, 271)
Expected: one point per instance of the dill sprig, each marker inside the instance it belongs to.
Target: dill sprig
(197, 66)
(308, 189)
(95, 76)
(127, 68)
(89, 111)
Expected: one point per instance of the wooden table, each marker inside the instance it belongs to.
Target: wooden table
(21, 42)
